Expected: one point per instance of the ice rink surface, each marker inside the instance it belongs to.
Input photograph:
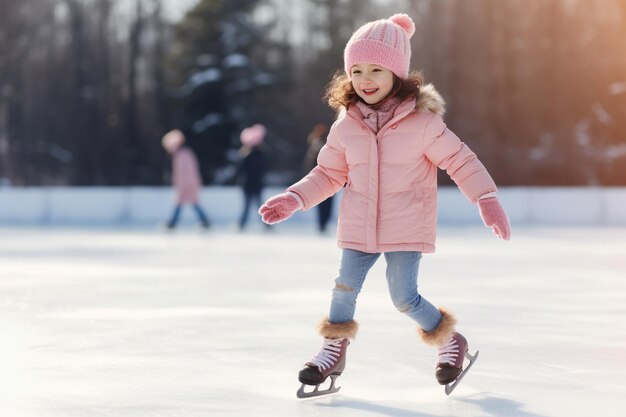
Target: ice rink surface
(99, 322)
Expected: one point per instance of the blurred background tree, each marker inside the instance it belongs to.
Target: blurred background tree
(88, 87)
(223, 71)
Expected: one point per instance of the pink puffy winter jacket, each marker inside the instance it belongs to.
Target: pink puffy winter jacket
(390, 199)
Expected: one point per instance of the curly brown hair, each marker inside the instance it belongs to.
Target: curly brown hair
(340, 92)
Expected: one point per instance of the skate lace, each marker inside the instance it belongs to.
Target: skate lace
(328, 354)
(449, 352)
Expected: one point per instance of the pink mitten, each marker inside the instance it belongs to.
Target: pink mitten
(278, 208)
(495, 217)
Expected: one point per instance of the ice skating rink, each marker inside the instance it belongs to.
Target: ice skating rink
(101, 322)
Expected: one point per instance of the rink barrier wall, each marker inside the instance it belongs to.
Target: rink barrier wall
(152, 205)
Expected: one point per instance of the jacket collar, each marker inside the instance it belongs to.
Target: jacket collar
(429, 100)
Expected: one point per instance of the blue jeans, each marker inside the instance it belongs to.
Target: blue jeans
(176, 215)
(402, 268)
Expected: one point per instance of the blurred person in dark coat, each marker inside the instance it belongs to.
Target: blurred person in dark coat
(251, 169)
(315, 141)
(185, 177)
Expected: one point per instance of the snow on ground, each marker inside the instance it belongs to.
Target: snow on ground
(98, 322)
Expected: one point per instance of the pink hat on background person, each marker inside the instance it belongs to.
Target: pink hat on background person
(382, 42)
(253, 135)
(173, 140)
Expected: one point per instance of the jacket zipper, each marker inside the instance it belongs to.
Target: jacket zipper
(393, 121)
(378, 191)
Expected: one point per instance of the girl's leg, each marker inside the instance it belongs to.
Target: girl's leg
(435, 326)
(243, 220)
(201, 215)
(339, 327)
(174, 217)
(402, 269)
(352, 272)
(258, 199)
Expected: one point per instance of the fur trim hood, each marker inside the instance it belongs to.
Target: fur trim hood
(430, 100)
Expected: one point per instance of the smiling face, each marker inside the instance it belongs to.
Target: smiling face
(371, 82)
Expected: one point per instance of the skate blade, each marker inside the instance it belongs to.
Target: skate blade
(317, 392)
(451, 386)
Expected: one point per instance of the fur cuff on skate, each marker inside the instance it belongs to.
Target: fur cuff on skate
(330, 330)
(440, 335)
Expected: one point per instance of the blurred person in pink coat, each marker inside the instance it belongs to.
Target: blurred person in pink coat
(384, 150)
(185, 177)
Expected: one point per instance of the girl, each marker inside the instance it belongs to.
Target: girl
(385, 147)
(185, 177)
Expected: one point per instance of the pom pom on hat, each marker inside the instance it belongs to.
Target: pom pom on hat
(405, 22)
(253, 135)
(382, 42)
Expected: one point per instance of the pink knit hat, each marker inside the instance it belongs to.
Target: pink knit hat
(253, 135)
(383, 42)
(173, 140)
